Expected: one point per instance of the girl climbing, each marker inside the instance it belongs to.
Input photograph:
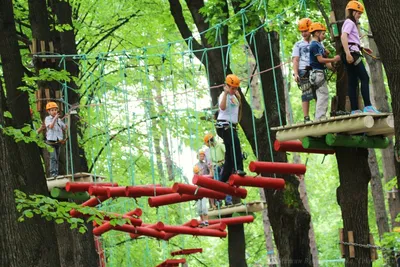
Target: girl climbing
(352, 58)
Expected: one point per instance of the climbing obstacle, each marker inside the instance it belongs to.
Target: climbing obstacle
(61, 180)
(172, 263)
(277, 167)
(262, 182)
(198, 191)
(297, 146)
(370, 124)
(210, 183)
(187, 251)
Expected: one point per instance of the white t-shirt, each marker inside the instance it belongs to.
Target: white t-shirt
(231, 113)
(301, 49)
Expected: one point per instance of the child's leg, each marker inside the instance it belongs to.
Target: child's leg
(352, 83)
(364, 78)
(322, 96)
(54, 160)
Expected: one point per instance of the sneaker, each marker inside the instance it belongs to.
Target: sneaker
(371, 109)
(357, 111)
(227, 203)
(240, 173)
(306, 119)
(203, 224)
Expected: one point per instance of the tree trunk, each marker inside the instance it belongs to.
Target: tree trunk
(380, 100)
(269, 243)
(377, 194)
(384, 23)
(32, 242)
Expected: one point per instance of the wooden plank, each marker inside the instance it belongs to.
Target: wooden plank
(342, 253)
(38, 94)
(350, 237)
(61, 180)
(34, 46)
(374, 253)
(47, 94)
(58, 96)
(237, 208)
(51, 48)
(43, 49)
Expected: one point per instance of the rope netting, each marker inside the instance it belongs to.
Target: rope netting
(144, 113)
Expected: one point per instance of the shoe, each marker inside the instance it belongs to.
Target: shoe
(203, 224)
(240, 173)
(371, 109)
(228, 203)
(306, 119)
(357, 111)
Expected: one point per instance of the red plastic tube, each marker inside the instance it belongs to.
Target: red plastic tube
(262, 182)
(277, 167)
(140, 191)
(172, 263)
(118, 191)
(98, 190)
(212, 184)
(187, 251)
(84, 186)
(185, 230)
(135, 213)
(218, 226)
(170, 199)
(157, 226)
(233, 220)
(191, 223)
(94, 201)
(140, 230)
(296, 146)
(197, 191)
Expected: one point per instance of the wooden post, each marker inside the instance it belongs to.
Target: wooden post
(58, 96)
(38, 95)
(374, 253)
(350, 237)
(47, 93)
(341, 245)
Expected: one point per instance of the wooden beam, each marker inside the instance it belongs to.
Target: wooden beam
(374, 253)
(256, 206)
(350, 237)
(43, 49)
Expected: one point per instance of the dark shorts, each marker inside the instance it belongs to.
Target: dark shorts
(307, 92)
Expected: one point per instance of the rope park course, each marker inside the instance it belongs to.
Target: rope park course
(147, 107)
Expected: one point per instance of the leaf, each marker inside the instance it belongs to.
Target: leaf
(7, 114)
(59, 221)
(82, 229)
(28, 213)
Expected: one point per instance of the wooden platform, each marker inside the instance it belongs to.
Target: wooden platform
(255, 206)
(61, 180)
(368, 123)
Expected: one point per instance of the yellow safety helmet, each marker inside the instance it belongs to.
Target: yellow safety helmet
(317, 26)
(232, 80)
(196, 169)
(207, 138)
(51, 105)
(202, 152)
(304, 24)
(355, 5)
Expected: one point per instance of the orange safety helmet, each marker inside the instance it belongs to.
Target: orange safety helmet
(317, 26)
(196, 169)
(207, 138)
(355, 5)
(304, 24)
(51, 105)
(232, 80)
(202, 152)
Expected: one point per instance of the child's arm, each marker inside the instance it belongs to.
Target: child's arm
(53, 122)
(222, 105)
(323, 60)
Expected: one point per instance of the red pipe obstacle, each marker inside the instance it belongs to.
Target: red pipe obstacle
(84, 186)
(191, 223)
(106, 226)
(140, 191)
(296, 146)
(277, 167)
(218, 226)
(98, 190)
(172, 263)
(208, 182)
(140, 230)
(233, 220)
(197, 191)
(185, 230)
(157, 226)
(170, 199)
(94, 201)
(187, 251)
(263, 182)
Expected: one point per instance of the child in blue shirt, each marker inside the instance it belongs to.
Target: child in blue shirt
(318, 63)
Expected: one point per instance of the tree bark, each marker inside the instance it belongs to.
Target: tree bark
(269, 243)
(384, 23)
(380, 100)
(32, 242)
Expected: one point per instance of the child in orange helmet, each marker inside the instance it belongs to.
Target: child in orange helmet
(54, 135)
(201, 168)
